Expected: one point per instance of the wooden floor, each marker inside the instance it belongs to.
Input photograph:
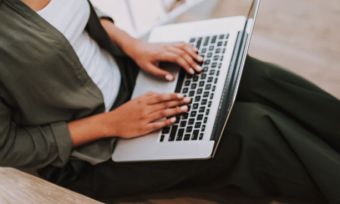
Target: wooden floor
(17, 187)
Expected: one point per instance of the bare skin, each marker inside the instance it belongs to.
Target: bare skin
(148, 113)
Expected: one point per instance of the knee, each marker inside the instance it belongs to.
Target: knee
(252, 123)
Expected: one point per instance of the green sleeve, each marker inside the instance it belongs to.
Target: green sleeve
(32, 147)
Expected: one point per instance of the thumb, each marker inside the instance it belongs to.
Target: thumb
(160, 73)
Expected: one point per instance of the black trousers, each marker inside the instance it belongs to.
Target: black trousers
(283, 139)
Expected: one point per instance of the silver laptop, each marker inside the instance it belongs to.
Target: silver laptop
(224, 45)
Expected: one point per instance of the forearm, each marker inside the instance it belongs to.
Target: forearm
(87, 130)
(120, 37)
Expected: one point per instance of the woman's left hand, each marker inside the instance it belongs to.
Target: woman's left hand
(149, 55)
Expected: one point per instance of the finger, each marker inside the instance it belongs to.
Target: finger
(168, 113)
(159, 98)
(158, 72)
(175, 57)
(169, 104)
(187, 57)
(161, 124)
(192, 51)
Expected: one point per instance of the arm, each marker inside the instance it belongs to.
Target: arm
(149, 55)
(39, 146)
(32, 147)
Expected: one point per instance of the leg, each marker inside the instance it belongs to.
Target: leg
(292, 95)
(262, 153)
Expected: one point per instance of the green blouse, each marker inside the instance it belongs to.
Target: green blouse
(43, 86)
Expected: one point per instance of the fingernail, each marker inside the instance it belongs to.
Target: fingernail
(184, 108)
(199, 58)
(199, 68)
(169, 77)
(186, 100)
(195, 48)
(173, 119)
(191, 71)
(180, 96)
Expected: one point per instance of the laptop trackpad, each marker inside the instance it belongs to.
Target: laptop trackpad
(146, 82)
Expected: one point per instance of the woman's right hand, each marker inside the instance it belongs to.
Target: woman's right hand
(145, 114)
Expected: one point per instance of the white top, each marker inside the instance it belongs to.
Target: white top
(70, 18)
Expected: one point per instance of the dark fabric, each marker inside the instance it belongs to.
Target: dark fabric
(43, 86)
(281, 140)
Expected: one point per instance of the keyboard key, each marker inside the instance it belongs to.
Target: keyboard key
(191, 93)
(192, 40)
(222, 36)
(213, 40)
(185, 116)
(187, 83)
(185, 90)
(189, 129)
(197, 98)
(180, 134)
(162, 138)
(206, 94)
(166, 130)
(173, 133)
(201, 84)
(200, 117)
(201, 136)
(202, 109)
(191, 121)
(183, 123)
(195, 106)
(195, 135)
(193, 86)
(198, 125)
(206, 41)
(199, 91)
(187, 137)
(203, 128)
(193, 114)
(204, 102)
(199, 43)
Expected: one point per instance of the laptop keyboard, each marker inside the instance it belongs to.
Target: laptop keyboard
(191, 126)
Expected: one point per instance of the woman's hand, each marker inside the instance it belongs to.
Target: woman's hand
(149, 55)
(144, 115)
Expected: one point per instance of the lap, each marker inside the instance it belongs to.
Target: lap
(254, 156)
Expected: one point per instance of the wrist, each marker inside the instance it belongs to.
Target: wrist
(105, 123)
(130, 47)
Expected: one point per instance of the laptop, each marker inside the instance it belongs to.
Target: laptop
(223, 43)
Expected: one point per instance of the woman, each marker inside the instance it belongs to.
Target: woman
(66, 78)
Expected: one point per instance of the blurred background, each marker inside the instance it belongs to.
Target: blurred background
(302, 36)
